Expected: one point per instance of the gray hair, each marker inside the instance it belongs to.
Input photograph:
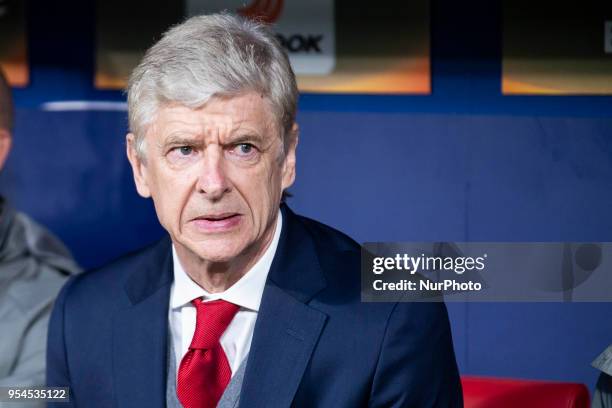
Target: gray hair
(207, 56)
(7, 109)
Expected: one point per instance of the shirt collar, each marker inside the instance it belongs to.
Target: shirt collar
(245, 293)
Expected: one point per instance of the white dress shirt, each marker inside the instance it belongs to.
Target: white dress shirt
(246, 293)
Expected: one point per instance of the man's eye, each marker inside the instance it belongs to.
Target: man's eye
(182, 154)
(244, 148)
(185, 150)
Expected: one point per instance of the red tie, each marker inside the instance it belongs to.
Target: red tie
(204, 371)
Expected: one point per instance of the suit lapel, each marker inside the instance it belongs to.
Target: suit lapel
(284, 338)
(287, 329)
(140, 333)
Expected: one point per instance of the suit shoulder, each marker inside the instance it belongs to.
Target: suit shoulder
(105, 280)
(329, 237)
(339, 257)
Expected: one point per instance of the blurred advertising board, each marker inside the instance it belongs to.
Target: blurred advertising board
(13, 50)
(557, 48)
(334, 46)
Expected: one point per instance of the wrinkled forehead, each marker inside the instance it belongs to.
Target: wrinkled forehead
(224, 115)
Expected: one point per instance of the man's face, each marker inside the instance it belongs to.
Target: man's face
(216, 175)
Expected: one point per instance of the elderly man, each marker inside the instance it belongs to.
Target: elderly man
(33, 266)
(245, 303)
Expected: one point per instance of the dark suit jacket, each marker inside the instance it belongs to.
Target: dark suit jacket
(314, 345)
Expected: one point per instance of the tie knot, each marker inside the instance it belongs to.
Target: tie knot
(212, 318)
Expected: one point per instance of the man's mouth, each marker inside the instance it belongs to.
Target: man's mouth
(217, 217)
(217, 222)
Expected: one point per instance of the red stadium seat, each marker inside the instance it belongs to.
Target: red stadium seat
(482, 392)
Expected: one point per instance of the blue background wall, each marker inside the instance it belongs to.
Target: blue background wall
(464, 163)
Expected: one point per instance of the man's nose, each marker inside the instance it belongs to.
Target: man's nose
(213, 181)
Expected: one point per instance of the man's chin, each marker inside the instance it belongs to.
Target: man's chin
(216, 257)
(216, 251)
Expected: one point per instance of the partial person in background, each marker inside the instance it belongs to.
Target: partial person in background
(33, 266)
(602, 398)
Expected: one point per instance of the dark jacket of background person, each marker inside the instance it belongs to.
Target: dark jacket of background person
(602, 398)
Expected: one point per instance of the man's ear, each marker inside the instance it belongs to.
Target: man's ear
(5, 145)
(289, 162)
(139, 169)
